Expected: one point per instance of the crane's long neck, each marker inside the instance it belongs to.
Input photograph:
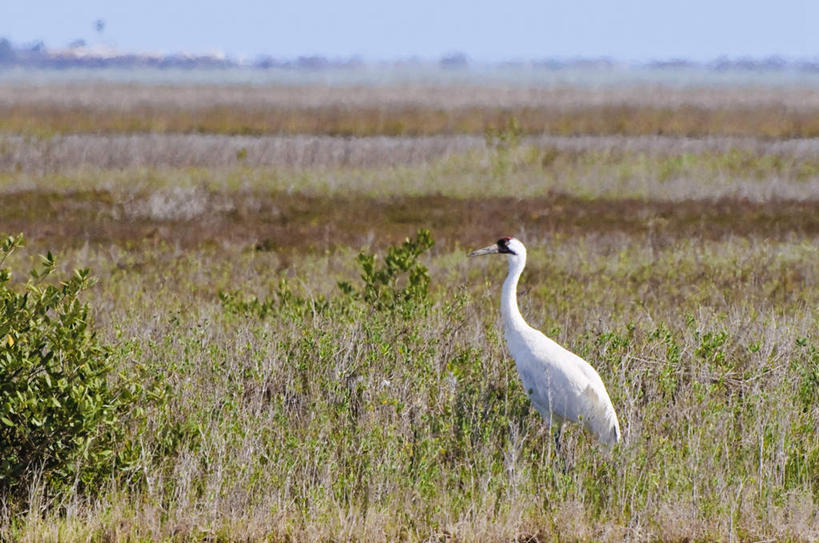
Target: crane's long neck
(512, 319)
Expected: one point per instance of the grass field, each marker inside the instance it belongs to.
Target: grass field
(769, 112)
(674, 243)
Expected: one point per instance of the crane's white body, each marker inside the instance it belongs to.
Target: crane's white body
(561, 385)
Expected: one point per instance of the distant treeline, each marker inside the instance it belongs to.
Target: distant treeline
(79, 54)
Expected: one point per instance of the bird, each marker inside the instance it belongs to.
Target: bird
(561, 385)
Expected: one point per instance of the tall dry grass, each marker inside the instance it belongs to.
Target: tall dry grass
(63, 154)
(654, 168)
(736, 111)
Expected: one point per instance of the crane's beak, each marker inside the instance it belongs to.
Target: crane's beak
(491, 250)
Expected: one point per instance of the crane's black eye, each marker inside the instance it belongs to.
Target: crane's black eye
(503, 246)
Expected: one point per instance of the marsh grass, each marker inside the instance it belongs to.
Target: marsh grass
(276, 406)
(771, 122)
(655, 168)
(788, 112)
(324, 419)
(664, 187)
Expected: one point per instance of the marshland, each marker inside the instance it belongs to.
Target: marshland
(254, 382)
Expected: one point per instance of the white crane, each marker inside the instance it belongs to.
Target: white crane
(560, 384)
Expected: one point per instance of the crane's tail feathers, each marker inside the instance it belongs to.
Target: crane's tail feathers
(600, 419)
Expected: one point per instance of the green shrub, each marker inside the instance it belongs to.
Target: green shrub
(282, 303)
(399, 286)
(401, 283)
(58, 413)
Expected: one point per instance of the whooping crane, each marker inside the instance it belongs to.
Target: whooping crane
(560, 384)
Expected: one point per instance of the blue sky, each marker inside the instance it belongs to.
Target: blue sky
(380, 30)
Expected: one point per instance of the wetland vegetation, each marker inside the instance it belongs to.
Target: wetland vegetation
(258, 379)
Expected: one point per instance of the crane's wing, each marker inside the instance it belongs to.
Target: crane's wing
(600, 417)
(562, 385)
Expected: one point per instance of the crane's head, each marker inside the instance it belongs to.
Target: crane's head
(512, 247)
